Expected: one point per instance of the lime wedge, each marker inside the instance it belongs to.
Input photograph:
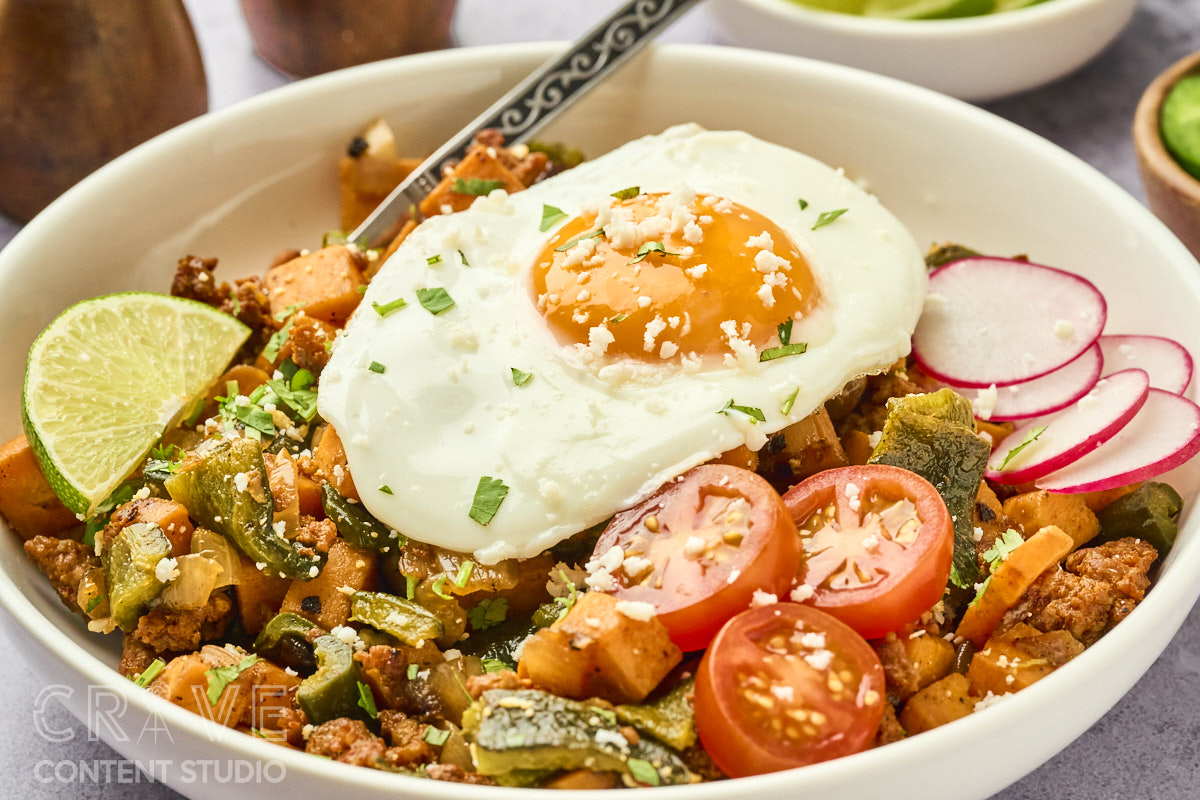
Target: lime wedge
(108, 376)
(1180, 123)
(927, 9)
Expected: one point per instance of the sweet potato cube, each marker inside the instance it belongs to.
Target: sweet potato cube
(596, 651)
(259, 596)
(1036, 510)
(27, 502)
(932, 658)
(941, 702)
(478, 165)
(1018, 657)
(325, 283)
(260, 696)
(329, 456)
(347, 566)
(169, 515)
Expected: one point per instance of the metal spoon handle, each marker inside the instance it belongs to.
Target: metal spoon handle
(542, 96)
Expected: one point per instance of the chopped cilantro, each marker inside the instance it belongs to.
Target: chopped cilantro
(386, 489)
(383, 309)
(642, 771)
(496, 665)
(376, 367)
(651, 247)
(95, 601)
(550, 216)
(289, 311)
(439, 587)
(433, 260)
(1029, 439)
(366, 700)
(465, 263)
(628, 194)
(578, 239)
(464, 573)
(235, 305)
(476, 186)
(435, 300)
(520, 378)
(296, 395)
(980, 588)
(569, 601)
(150, 673)
(258, 733)
(755, 414)
(490, 612)
(410, 586)
(785, 408)
(1000, 550)
(827, 217)
(619, 318)
(413, 669)
(956, 579)
(121, 495)
(220, 677)
(772, 353)
(435, 736)
(489, 494)
(362, 289)
(803, 203)
(785, 331)
(164, 461)
(271, 351)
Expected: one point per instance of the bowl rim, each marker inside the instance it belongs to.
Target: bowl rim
(1147, 131)
(1177, 589)
(925, 30)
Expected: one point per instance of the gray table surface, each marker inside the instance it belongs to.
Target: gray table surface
(1148, 746)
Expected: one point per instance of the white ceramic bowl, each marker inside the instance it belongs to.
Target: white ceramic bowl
(248, 181)
(973, 58)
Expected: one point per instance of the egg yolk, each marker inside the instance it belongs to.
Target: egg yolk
(667, 276)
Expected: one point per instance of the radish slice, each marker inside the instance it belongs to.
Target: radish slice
(1073, 434)
(1040, 396)
(997, 321)
(1167, 363)
(1163, 435)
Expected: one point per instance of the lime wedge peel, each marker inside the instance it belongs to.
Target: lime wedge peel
(106, 378)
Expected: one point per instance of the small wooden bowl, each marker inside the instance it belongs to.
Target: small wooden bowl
(1172, 192)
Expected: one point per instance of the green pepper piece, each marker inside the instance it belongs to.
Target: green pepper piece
(332, 691)
(130, 561)
(670, 718)
(206, 484)
(500, 641)
(534, 730)
(355, 523)
(285, 640)
(404, 619)
(1150, 513)
(934, 436)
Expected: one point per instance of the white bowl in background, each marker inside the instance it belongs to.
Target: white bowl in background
(972, 58)
(243, 183)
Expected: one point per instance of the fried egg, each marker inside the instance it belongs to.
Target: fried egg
(610, 328)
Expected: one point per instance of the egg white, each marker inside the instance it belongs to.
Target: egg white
(574, 444)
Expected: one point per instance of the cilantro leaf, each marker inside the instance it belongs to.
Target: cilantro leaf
(433, 260)
(651, 247)
(627, 194)
(366, 700)
(578, 239)
(827, 217)
(386, 489)
(302, 400)
(496, 665)
(956, 579)
(220, 677)
(1029, 439)
(550, 217)
(489, 494)
(377, 368)
(164, 461)
(803, 203)
(435, 736)
(490, 612)
(520, 378)
(786, 407)
(1002, 548)
(413, 669)
(618, 318)
(785, 331)
(465, 263)
(755, 414)
(464, 573)
(95, 601)
(567, 602)
(271, 351)
(475, 186)
(435, 300)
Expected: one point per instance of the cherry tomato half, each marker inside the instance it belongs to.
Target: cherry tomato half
(700, 547)
(878, 545)
(784, 686)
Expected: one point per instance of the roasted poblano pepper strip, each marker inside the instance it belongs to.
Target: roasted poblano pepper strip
(500, 642)
(285, 641)
(404, 619)
(130, 564)
(934, 436)
(206, 484)
(533, 730)
(670, 718)
(355, 523)
(1150, 513)
(332, 691)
